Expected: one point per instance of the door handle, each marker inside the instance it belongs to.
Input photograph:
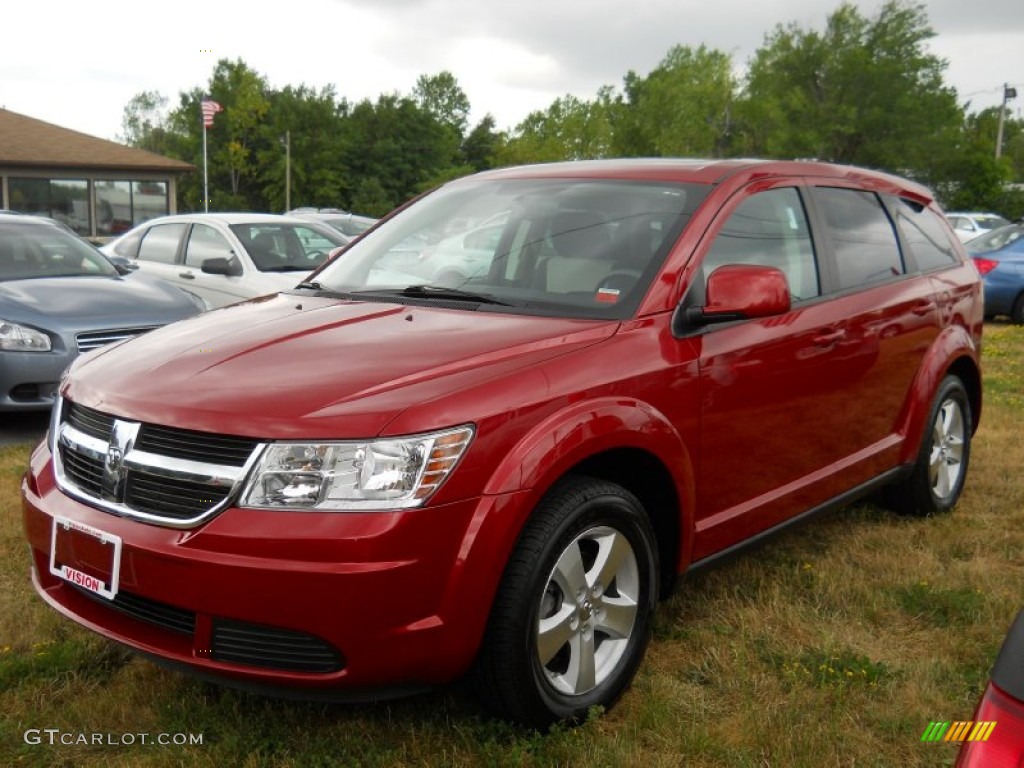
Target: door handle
(922, 308)
(187, 275)
(830, 338)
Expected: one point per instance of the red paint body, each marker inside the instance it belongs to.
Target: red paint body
(753, 422)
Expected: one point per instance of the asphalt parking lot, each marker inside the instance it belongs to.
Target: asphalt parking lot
(23, 427)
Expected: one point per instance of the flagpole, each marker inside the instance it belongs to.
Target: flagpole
(206, 183)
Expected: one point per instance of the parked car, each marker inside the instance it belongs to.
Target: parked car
(349, 224)
(999, 257)
(228, 257)
(462, 256)
(59, 297)
(373, 483)
(970, 225)
(995, 737)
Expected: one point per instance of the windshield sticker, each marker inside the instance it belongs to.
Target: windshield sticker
(608, 295)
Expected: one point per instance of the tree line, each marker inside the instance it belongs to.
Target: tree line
(862, 90)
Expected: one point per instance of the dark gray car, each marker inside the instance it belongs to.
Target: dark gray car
(60, 297)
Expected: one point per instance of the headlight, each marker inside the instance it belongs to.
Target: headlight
(398, 473)
(20, 338)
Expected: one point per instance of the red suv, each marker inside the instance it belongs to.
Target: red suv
(378, 481)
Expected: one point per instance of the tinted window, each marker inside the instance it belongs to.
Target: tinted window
(770, 229)
(866, 249)
(206, 243)
(160, 243)
(925, 235)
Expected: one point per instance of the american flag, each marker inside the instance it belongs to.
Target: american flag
(210, 108)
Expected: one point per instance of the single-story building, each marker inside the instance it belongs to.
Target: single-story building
(99, 188)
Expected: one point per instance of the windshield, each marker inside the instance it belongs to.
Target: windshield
(32, 250)
(990, 222)
(287, 247)
(580, 247)
(996, 239)
(350, 225)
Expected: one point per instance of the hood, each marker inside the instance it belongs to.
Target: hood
(94, 302)
(292, 367)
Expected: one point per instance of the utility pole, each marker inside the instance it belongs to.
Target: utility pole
(1008, 93)
(288, 166)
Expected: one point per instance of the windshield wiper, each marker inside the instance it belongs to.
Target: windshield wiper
(312, 285)
(435, 292)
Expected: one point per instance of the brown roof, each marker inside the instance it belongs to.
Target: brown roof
(27, 142)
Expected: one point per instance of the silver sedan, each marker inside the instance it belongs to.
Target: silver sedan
(60, 297)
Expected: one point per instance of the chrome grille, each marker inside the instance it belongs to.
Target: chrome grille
(89, 421)
(95, 339)
(198, 446)
(161, 474)
(153, 494)
(83, 470)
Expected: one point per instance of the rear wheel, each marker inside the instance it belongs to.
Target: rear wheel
(572, 617)
(1017, 313)
(937, 478)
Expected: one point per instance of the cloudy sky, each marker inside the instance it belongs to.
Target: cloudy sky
(78, 63)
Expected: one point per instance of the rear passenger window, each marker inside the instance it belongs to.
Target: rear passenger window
(769, 229)
(160, 243)
(926, 237)
(866, 248)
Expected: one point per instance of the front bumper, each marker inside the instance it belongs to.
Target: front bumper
(28, 380)
(315, 601)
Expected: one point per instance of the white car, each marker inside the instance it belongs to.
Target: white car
(228, 257)
(970, 225)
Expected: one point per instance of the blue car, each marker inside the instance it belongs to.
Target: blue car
(999, 256)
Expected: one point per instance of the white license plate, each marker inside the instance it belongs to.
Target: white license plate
(85, 556)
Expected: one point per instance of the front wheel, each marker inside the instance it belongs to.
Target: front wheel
(572, 617)
(938, 475)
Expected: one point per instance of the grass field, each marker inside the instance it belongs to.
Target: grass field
(833, 645)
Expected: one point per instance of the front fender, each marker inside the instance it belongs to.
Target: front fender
(585, 429)
(546, 453)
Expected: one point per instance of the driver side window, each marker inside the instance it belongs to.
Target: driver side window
(769, 229)
(206, 243)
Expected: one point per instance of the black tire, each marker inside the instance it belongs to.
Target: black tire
(937, 478)
(1017, 312)
(579, 522)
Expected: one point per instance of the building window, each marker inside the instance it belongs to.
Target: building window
(121, 205)
(113, 207)
(66, 200)
(149, 200)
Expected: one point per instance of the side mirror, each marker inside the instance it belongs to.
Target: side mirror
(222, 266)
(742, 292)
(122, 265)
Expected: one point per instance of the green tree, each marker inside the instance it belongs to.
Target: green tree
(570, 129)
(312, 121)
(143, 122)
(481, 144)
(864, 91)
(441, 96)
(681, 108)
(398, 144)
